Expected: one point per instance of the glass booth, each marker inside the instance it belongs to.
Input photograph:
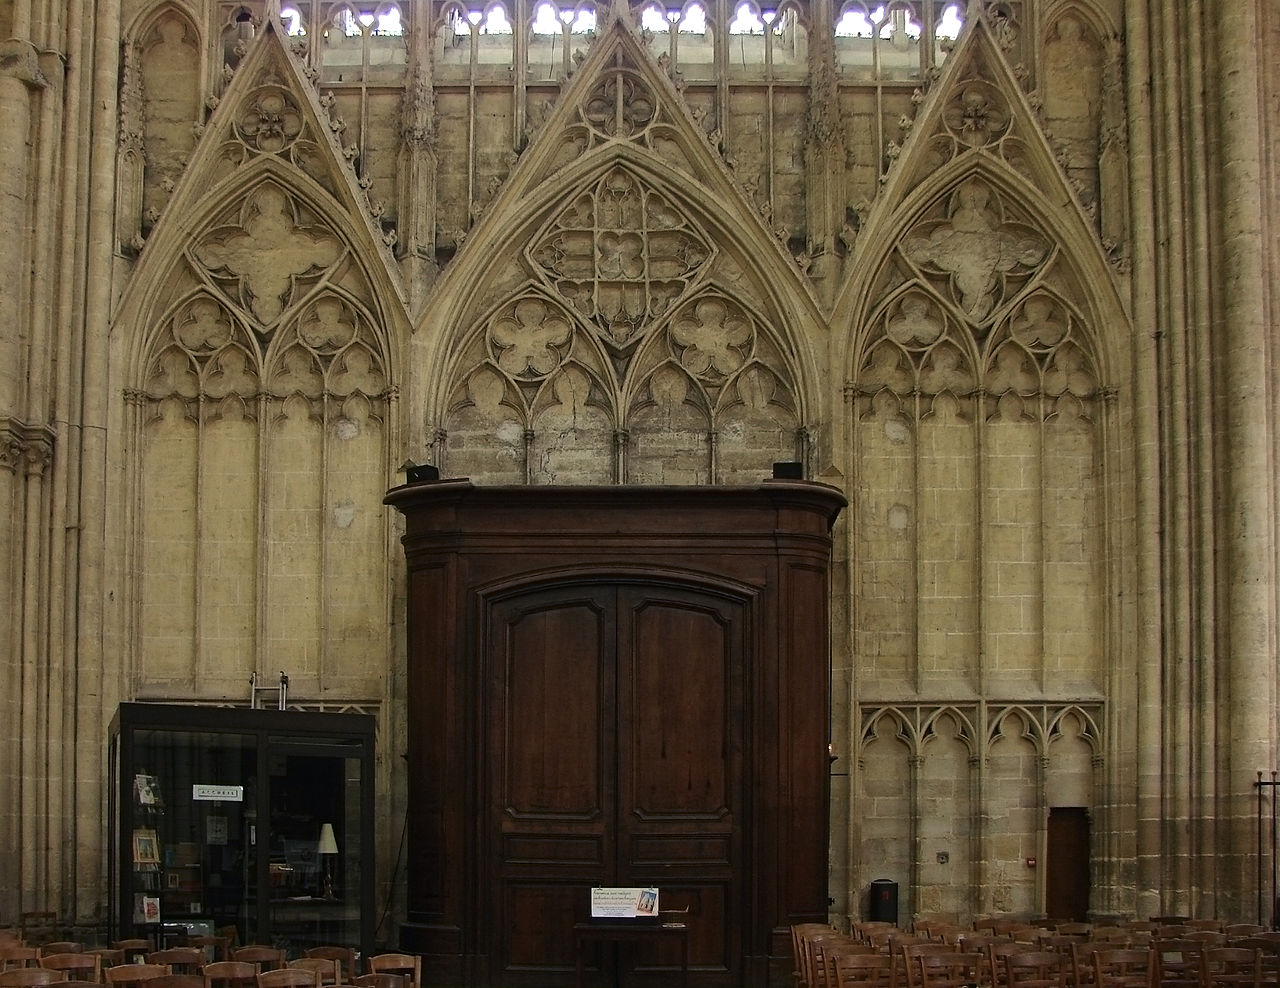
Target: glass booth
(257, 820)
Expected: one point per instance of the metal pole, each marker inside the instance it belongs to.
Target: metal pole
(1259, 856)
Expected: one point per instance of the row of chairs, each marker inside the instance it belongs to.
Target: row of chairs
(128, 962)
(231, 974)
(826, 958)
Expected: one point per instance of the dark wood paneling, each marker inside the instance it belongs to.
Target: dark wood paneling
(615, 686)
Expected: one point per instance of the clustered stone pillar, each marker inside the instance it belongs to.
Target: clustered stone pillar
(1248, 521)
(18, 77)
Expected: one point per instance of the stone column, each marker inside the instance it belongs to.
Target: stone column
(19, 78)
(11, 456)
(1248, 535)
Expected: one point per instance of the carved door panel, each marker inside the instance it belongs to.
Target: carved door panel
(615, 732)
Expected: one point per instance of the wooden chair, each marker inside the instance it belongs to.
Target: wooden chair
(178, 981)
(1215, 925)
(1036, 969)
(214, 948)
(179, 960)
(800, 933)
(230, 974)
(108, 956)
(345, 956)
(816, 948)
(288, 977)
(266, 958)
(1177, 963)
(851, 968)
(135, 948)
(1236, 930)
(914, 953)
(80, 967)
(326, 970)
(409, 965)
(1231, 967)
(133, 974)
(998, 950)
(62, 947)
(1083, 972)
(384, 980)
(950, 970)
(1122, 968)
(24, 977)
(14, 955)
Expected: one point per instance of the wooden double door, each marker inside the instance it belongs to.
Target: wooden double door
(615, 687)
(616, 748)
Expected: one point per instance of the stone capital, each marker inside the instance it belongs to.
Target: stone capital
(20, 60)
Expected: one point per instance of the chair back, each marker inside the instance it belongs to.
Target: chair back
(288, 977)
(409, 965)
(327, 970)
(179, 960)
(134, 974)
(23, 977)
(384, 980)
(81, 967)
(230, 974)
(1231, 967)
(1036, 969)
(135, 948)
(177, 981)
(1123, 968)
(108, 956)
(852, 968)
(800, 934)
(265, 957)
(62, 947)
(912, 953)
(1177, 962)
(345, 956)
(998, 950)
(213, 948)
(18, 955)
(950, 970)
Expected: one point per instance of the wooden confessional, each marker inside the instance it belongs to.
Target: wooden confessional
(621, 686)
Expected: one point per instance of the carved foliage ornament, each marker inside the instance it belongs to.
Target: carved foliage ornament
(267, 254)
(974, 253)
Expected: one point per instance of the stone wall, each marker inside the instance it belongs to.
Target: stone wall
(996, 269)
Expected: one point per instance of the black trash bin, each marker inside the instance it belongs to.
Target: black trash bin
(883, 907)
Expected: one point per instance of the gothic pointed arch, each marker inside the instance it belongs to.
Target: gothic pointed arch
(161, 110)
(257, 344)
(984, 351)
(619, 279)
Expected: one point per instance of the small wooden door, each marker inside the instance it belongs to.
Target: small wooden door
(1067, 867)
(615, 741)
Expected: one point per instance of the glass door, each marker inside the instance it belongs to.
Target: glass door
(314, 840)
(190, 842)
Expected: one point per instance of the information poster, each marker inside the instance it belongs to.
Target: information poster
(624, 903)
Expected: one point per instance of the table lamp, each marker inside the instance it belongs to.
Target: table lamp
(328, 850)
